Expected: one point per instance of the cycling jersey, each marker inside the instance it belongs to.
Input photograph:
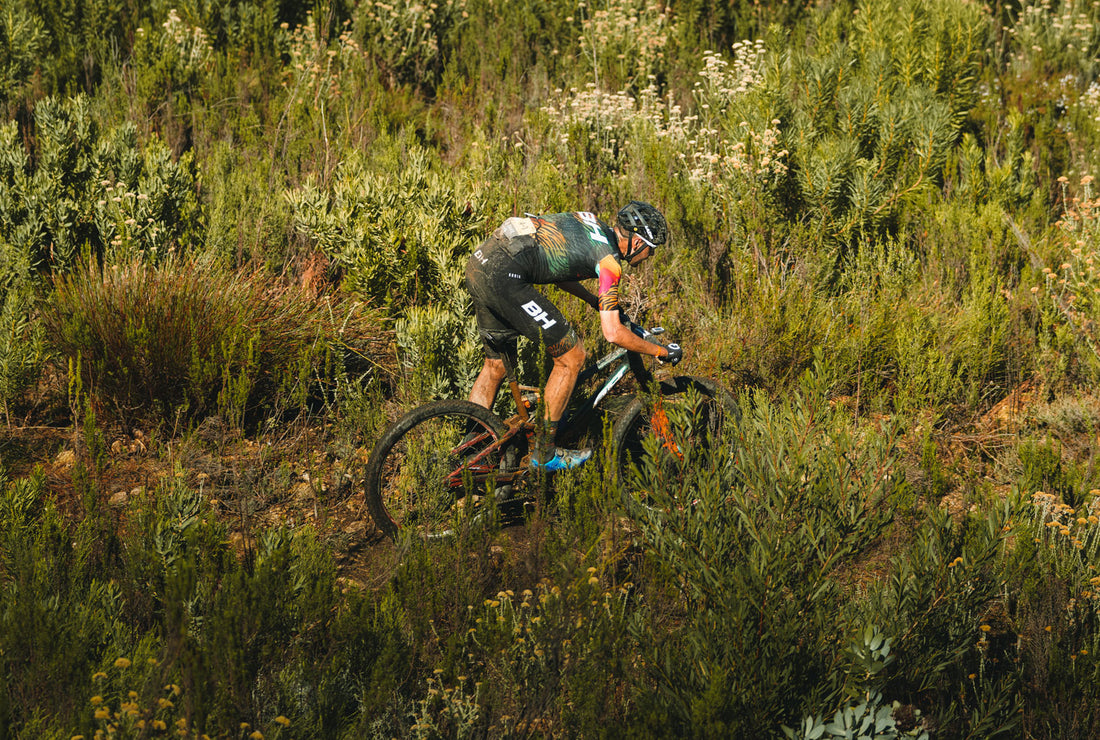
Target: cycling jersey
(557, 248)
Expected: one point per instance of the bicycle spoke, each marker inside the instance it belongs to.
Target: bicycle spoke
(438, 462)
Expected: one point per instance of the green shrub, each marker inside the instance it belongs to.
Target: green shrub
(63, 45)
(81, 188)
(409, 41)
(189, 338)
(942, 601)
(400, 235)
(21, 348)
(59, 610)
(1052, 570)
(1046, 38)
(754, 535)
(23, 37)
(160, 622)
(866, 141)
(243, 224)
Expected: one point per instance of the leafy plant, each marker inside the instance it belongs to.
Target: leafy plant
(754, 535)
(84, 189)
(190, 338)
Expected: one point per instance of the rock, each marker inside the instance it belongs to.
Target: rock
(350, 584)
(301, 493)
(357, 527)
(119, 499)
(65, 458)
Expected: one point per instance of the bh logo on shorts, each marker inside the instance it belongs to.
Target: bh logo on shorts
(535, 311)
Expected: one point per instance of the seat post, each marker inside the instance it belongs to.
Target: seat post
(513, 384)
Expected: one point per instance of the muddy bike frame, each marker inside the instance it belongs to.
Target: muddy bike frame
(621, 360)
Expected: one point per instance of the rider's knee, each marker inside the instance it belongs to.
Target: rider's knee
(494, 367)
(573, 360)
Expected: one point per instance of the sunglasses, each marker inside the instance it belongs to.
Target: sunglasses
(645, 241)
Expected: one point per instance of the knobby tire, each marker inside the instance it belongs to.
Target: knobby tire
(430, 460)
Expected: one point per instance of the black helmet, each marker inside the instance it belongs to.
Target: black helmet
(644, 220)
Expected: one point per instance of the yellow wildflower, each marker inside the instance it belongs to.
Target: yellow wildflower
(283, 721)
(122, 663)
(985, 628)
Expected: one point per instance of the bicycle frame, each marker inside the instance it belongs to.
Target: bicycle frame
(626, 360)
(522, 421)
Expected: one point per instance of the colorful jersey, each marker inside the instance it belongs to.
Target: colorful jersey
(563, 247)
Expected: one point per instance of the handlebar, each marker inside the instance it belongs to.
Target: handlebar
(644, 333)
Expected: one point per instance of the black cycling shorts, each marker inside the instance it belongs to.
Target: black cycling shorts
(505, 304)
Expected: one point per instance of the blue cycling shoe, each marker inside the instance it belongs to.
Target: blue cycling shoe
(562, 460)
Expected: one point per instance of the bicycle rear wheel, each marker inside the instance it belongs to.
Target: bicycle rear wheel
(684, 416)
(433, 465)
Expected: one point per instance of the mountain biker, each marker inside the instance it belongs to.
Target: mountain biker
(562, 249)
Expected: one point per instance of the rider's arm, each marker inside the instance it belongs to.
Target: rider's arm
(614, 330)
(619, 333)
(575, 288)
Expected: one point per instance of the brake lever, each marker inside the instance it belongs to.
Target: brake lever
(644, 333)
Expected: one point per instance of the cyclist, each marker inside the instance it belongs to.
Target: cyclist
(562, 249)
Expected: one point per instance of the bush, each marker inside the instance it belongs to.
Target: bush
(162, 625)
(24, 38)
(1051, 568)
(400, 235)
(83, 189)
(185, 339)
(22, 348)
(753, 536)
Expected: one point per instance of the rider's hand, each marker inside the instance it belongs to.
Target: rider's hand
(675, 354)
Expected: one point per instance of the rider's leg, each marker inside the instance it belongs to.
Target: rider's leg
(559, 387)
(563, 377)
(488, 381)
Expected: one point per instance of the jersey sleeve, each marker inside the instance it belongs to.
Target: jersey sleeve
(609, 272)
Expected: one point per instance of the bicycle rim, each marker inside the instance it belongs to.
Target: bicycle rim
(435, 468)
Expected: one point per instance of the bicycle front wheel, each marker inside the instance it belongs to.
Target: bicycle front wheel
(684, 416)
(432, 465)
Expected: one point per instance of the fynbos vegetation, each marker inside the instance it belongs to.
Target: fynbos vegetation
(232, 242)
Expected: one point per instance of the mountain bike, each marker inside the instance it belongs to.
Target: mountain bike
(453, 458)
